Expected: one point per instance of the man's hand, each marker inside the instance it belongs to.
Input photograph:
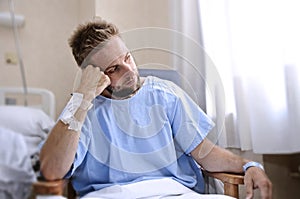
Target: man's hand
(93, 82)
(256, 178)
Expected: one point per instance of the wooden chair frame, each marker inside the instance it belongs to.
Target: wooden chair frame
(231, 181)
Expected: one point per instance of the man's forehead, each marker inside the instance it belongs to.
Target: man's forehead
(109, 52)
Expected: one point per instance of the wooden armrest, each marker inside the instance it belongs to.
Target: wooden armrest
(232, 178)
(230, 181)
(42, 187)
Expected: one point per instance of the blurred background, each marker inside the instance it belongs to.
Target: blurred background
(246, 52)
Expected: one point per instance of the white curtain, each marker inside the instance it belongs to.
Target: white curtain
(255, 45)
(200, 79)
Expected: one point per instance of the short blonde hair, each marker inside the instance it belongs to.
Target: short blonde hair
(88, 36)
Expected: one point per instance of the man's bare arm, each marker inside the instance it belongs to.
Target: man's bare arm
(58, 152)
(216, 159)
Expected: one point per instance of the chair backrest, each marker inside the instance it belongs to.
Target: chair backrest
(181, 80)
(171, 75)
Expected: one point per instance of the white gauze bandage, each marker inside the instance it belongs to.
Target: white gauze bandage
(76, 102)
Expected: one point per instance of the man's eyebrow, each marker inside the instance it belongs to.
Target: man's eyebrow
(112, 66)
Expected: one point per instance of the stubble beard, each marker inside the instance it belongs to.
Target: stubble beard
(125, 92)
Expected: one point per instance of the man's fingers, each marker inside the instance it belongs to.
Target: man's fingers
(91, 76)
(103, 82)
(104, 79)
(256, 178)
(249, 187)
(265, 189)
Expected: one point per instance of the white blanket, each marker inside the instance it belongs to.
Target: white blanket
(150, 189)
(32, 123)
(16, 173)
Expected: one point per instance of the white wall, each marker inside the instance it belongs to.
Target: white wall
(136, 14)
(47, 57)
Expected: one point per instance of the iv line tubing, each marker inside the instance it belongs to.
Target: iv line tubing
(12, 13)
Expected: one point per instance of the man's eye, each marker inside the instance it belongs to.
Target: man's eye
(112, 70)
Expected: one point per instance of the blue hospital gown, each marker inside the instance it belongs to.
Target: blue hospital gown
(147, 136)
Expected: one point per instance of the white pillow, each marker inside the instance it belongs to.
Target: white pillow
(32, 123)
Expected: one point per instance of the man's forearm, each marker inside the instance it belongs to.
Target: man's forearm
(58, 152)
(216, 159)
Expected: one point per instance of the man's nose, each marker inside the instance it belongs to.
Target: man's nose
(126, 68)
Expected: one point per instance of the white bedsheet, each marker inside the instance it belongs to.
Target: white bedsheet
(16, 173)
(32, 123)
(150, 189)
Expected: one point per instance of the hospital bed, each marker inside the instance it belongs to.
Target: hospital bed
(25, 121)
(36, 98)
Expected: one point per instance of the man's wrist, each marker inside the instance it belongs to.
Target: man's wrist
(88, 96)
(252, 164)
(68, 116)
(84, 103)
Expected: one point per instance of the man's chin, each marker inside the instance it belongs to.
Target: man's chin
(124, 93)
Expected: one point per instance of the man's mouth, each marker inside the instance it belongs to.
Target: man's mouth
(129, 82)
(125, 89)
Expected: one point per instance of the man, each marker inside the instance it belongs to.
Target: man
(120, 132)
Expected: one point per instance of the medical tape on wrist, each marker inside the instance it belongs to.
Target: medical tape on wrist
(252, 164)
(67, 117)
